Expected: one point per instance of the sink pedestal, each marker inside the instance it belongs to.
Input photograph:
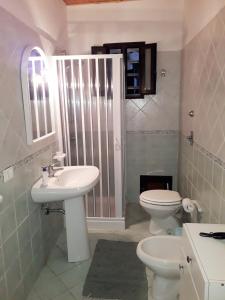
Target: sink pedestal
(76, 230)
(70, 184)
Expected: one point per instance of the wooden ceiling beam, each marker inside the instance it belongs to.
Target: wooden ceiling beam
(73, 2)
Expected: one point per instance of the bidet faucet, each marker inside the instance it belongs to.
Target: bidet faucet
(52, 169)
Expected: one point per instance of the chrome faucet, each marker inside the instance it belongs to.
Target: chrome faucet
(52, 169)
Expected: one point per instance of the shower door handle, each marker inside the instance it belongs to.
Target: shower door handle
(117, 145)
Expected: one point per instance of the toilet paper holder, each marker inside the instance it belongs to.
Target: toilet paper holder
(197, 206)
(191, 206)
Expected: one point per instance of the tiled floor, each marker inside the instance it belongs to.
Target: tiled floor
(60, 280)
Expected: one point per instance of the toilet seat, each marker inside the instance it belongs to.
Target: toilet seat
(161, 197)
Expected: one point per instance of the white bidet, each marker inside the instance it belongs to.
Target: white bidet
(161, 254)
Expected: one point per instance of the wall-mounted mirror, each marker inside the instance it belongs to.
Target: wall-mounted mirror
(36, 95)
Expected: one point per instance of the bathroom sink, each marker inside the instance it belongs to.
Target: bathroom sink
(68, 183)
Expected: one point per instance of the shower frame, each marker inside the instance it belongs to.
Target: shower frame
(100, 222)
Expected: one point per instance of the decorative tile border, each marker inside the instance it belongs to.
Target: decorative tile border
(29, 158)
(210, 155)
(206, 153)
(155, 132)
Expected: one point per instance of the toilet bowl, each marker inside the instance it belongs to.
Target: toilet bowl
(161, 205)
(161, 254)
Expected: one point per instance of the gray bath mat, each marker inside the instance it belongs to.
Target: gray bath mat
(116, 273)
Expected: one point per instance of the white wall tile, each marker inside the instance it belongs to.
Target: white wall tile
(203, 90)
(20, 218)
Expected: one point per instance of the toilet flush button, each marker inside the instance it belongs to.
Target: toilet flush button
(1, 198)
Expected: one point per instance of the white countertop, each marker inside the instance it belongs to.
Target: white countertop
(211, 252)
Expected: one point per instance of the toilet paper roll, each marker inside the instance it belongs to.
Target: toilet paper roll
(188, 206)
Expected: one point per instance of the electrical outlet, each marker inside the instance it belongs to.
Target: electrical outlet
(8, 174)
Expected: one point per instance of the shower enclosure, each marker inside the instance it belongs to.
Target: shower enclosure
(89, 94)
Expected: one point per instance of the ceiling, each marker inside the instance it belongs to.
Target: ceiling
(72, 2)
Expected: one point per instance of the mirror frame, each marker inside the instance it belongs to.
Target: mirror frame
(26, 95)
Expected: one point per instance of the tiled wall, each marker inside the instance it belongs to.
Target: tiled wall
(202, 174)
(26, 236)
(152, 126)
(202, 177)
(150, 153)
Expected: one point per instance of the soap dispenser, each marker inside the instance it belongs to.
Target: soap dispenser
(44, 176)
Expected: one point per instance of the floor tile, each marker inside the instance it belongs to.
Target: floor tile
(49, 289)
(33, 296)
(66, 296)
(76, 276)
(77, 292)
(46, 274)
(61, 280)
(60, 265)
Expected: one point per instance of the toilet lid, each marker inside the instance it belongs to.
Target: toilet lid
(161, 197)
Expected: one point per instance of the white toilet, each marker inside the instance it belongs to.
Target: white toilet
(161, 205)
(161, 254)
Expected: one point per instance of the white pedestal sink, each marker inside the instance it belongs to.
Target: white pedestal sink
(70, 185)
